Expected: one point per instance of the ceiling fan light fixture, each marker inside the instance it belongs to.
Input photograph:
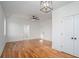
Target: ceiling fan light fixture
(35, 18)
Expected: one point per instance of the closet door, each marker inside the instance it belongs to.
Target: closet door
(68, 35)
(76, 37)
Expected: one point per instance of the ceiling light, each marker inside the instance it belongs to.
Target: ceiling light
(46, 6)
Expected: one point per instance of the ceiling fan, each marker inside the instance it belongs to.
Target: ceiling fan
(35, 18)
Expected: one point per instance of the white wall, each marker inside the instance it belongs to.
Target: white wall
(57, 23)
(2, 36)
(35, 29)
(20, 27)
(46, 29)
(16, 30)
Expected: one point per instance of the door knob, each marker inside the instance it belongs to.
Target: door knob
(75, 38)
(72, 38)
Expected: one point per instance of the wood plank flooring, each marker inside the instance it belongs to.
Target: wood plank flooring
(32, 49)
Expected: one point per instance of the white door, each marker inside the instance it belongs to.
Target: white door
(76, 39)
(68, 35)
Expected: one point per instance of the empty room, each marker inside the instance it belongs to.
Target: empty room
(39, 29)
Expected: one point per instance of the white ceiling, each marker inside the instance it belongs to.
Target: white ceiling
(29, 8)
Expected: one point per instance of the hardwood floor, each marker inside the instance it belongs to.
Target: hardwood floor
(32, 49)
